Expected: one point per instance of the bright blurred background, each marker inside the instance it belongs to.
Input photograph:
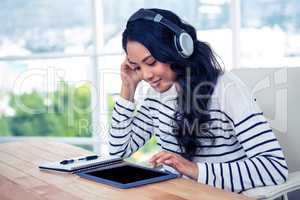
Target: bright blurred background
(60, 60)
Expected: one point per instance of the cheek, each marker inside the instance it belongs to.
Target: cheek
(164, 71)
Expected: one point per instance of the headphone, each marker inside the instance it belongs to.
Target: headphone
(183, 41)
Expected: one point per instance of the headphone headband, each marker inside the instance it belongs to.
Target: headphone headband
(152, 16)
(183, 41)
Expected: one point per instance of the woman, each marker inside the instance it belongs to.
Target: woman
(206, 122)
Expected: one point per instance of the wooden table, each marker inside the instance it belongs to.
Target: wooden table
(20, 178)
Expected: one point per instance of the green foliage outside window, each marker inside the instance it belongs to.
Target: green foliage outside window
(64, 112)
(61, 113)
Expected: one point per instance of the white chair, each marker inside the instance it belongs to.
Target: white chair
(277, 91)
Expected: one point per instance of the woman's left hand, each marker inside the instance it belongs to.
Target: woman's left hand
(176, 161)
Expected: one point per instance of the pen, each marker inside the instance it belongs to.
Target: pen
(91, 157)
(65, 162)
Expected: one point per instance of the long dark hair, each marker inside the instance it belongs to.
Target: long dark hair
(196, 75)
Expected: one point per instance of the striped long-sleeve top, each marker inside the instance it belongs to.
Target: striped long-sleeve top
(245, 152)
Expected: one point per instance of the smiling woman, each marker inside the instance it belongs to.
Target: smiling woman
(207, 124)
(159, 75)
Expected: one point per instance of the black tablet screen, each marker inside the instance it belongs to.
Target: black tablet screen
(126, 174)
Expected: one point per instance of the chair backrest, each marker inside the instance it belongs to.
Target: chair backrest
(277, 91)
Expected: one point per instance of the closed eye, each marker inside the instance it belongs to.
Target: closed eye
(153, 63)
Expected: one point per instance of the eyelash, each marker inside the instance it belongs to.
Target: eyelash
(152, 64)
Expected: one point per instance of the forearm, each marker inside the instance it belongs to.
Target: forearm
(120, 130)
(241, 175)
(129, 129)
(127, 92)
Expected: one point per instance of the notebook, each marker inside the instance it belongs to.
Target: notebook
(74, 165)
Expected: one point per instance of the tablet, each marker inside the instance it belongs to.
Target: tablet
(127, 175)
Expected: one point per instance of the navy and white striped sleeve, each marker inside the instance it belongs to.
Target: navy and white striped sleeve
(129, 129)
(265, 163)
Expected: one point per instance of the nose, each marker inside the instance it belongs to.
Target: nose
(147, 74)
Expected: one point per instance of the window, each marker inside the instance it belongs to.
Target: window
(39, 27)
(44, 67)
(56, 80)
(49, 70)
(270, 33)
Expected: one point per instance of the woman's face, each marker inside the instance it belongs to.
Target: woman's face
(158, 75)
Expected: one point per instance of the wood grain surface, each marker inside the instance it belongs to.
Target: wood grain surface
(20, 178)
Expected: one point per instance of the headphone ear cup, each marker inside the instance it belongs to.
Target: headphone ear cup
(177, 45)
(184, 44)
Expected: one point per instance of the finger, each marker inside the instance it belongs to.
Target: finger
(156, 156)
(131, 66)
(162, 158)
(126, 66)
(170, 162)
(152, 161)
(125, 76)
(176, 163)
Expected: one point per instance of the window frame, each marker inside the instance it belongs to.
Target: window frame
(100, 144)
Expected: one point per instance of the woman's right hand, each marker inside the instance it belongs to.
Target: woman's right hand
(130, 75)
(130, 78)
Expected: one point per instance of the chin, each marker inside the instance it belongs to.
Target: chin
(162, 88)
(159, 90)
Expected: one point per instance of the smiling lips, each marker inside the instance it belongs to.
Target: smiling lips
(155, 83)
